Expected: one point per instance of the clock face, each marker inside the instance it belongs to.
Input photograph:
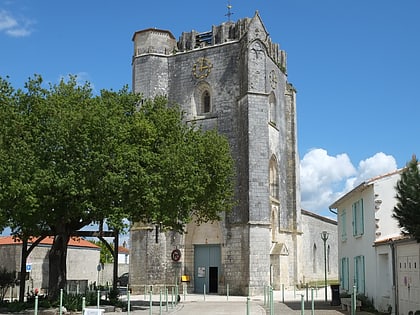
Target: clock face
(202, 68)
(273, 79)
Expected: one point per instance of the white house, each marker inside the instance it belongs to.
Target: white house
(364, 218)
(123, 254)
(82, 262)
(406, 273)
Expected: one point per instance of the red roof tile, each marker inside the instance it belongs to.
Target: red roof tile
(74, 241)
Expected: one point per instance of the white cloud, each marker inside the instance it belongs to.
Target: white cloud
(6, 21)
(14, 27)
(325, 178)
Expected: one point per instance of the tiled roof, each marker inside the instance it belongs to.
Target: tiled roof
(74, 241)
(123, 250)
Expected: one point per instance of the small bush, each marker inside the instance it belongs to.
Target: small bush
(367, 305)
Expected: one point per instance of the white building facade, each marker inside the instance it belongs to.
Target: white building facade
(364, 217)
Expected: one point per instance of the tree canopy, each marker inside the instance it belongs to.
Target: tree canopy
(69, 159)
(407, 209)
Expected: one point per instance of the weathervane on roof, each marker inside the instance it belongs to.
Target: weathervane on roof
(229, 13)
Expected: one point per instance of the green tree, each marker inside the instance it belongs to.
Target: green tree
(106, 256)
(69, 159)
(407, 209)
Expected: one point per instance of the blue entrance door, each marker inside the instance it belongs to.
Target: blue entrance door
(207, 263)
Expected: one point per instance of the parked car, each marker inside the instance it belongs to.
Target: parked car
(122, 280)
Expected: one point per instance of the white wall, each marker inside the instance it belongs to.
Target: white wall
(313, 260)
(378, 202)
(408, 275)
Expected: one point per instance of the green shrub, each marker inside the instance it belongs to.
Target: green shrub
(367, 305)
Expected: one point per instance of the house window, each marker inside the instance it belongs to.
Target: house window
(343, 225)
(274, 179)
(314, 259)
(358, 224)
(206, 102)
(359, 273)
(344, 273)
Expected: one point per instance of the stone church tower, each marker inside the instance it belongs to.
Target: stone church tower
(232, 78)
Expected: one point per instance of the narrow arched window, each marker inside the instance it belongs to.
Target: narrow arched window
(314, 260)
(274, 179)
(273, 108)
(206, 102)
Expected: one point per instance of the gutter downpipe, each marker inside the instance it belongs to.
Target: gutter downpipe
(394, 276)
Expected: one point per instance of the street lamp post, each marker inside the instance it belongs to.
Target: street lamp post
(324, 237)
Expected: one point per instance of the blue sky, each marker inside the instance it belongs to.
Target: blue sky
(355, 65)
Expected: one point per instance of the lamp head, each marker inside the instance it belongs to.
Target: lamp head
(324, 235)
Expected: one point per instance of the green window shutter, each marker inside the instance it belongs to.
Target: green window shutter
(343, 226)
(346, 282)
(359, 273)
(344, 279)
(354, 217)
(362, 274)
(356, 272)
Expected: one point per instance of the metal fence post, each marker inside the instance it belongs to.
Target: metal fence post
(36, 305)
(312, 302)
(302, 304)
(354, 301)
(227, 291)
(61, 302)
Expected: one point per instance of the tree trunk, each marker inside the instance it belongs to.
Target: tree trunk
(57, 265)
(22, 275)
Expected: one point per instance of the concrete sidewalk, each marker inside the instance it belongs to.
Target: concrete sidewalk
(284, 302)
(287, 302)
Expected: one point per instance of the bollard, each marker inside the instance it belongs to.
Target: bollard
(160, 302)
(271, 301)
(227, 291)
(294, 291)
(83, 304)
(166, 298)
(265, 297)
(247, 305)
(282, 293)
(36, 305)
(184, 290)
(98, 299)
(61, 302)
(145, 292)
(312, 302)
(204, 291)
(128, 301)
(307, 293)
(353, 301)
(302, 304)
(150, 302)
